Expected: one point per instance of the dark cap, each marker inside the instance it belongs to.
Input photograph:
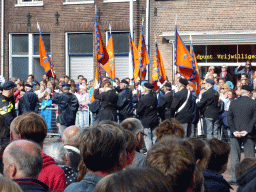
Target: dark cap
(148, 85)
(247, 88)
(66, 85)
(210, 81)
(28, 85)
(8, 85)
(183, 81)
(168, 85)
(125, 82)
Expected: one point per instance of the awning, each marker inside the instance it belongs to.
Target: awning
(213, 37)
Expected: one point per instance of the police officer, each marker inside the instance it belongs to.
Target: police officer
(29, 101)
(181, 108)
(67, 107)
(7, 107)
(124, 102)
(164, 107)
(147, 112)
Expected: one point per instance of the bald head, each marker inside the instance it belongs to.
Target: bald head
(71, 136)
(22, 159)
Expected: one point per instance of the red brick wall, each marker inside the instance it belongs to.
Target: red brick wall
(73, 18)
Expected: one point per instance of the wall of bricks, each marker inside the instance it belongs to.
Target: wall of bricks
(197, 15)
(73, 18)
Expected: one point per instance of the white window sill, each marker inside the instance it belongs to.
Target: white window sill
(76, 3)
(30, 4)
(116, 1)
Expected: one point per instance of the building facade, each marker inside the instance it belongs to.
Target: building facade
(68, 32)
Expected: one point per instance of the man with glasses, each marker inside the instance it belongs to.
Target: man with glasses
(247, 70)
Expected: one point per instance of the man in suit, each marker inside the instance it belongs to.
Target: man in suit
(208, 107)
(181, 108)
(147, 112)
(165, 102)
(241, 120)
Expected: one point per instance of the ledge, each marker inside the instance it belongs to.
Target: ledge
(30, 4)
(77, 3)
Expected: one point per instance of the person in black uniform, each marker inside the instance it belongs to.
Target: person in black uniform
(164, 107)
(29, 101)
(181, 108)
(208, 107)
(108, 107)
(147, 112)
(67, 107)
(7, 108)
(241, 120)
(124, 102)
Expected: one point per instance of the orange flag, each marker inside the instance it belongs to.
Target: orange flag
(197, 80)
(101, 51)
(97, 81)
(135, 58)
(158, 72)
(109, 67)
(45, 60)
(143, 55)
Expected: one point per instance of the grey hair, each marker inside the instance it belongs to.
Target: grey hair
(57, 152)
(73, 140)
(134, 125)
(29, 165)
(244, 92)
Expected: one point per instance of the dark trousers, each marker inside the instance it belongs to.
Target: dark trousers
(235, 153)
(187, 129)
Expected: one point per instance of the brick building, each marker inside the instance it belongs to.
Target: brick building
(222, 31)
(67, 27)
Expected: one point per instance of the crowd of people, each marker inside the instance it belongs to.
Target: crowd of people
(138, 137)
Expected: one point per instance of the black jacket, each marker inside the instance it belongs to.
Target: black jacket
(67, 107)
(29, 185)
(242, 115)
(147, 110)
(124, 104)
(7, 108)
(208, 105)
(164, 107)
(247, 181)
(28, 102)
(185, 115)
(108, 108)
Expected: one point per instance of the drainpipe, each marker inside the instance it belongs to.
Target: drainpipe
(2, 38)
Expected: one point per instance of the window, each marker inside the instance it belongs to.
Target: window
(24, 55)
(118, 1)
(66, 2)
(29, 3)
(80, 55)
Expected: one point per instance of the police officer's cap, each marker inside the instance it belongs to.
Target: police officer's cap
(183, 81)
(28, 85)
(247, 88)
(125, 82)
(8, 85)
(148, 85)
(168, 85)
(66, 85)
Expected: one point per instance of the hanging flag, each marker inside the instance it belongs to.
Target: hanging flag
(97, 81)
(197, 81)
(143, 55)
(45, 60)
(158, 72)
(135, 58)
(101, 51)
(109, 67)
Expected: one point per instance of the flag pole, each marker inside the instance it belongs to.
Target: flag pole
(141, 52)
(97, 66)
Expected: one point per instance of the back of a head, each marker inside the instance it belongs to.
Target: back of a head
(245, 165)
(134, 180)
(32, 127)
(132, 124)
(3, 126)
(175, 158)
(101, 146)
(72, 135)
(170, 127)
(219, 154)
(27, 157)
(202, 152)
(57, 152)
(7, 185)
(130, 140)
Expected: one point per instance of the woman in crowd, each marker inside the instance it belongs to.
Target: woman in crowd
(84, 99)
(211, 71)
(224, 92)
(51, 87)
(225, 74)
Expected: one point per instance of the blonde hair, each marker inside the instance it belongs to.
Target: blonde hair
(211, 67)
(7, 185)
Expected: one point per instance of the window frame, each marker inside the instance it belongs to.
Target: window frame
(78, 2)
(21, 3)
